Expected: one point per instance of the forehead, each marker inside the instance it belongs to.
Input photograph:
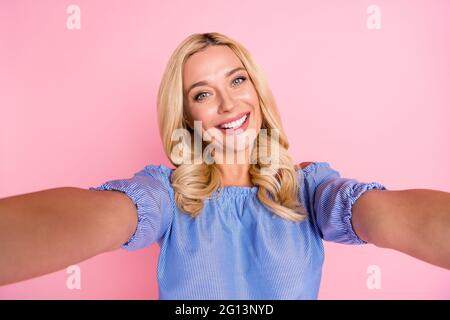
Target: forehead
(209, 64)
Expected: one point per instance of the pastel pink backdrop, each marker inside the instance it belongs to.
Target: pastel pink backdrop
(78, 107)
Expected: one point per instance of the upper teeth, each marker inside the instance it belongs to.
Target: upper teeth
(234, 124)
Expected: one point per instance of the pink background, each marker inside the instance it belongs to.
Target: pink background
(78, 107)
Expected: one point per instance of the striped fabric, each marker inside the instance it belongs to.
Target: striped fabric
(236, 248)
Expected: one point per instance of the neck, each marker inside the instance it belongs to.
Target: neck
(235, 175)
(235, 171)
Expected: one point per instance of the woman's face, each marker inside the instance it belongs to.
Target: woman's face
(219, 93)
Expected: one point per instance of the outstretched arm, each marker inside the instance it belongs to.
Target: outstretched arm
(415, 222)
(45, 231)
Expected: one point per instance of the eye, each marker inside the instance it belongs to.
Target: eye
(242, 78)
(196, 98)
(199, 95)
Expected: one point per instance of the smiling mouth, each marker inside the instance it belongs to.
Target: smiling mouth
(235, 125)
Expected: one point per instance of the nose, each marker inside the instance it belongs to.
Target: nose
(227, 103)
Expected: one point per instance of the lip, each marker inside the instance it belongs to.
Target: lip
(242, 128)
(233, 119)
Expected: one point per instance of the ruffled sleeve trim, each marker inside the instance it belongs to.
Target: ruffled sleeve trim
(149, 193)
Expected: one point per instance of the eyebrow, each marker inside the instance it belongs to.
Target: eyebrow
(204, 83)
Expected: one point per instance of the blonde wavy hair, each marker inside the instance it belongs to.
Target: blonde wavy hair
(194, 182)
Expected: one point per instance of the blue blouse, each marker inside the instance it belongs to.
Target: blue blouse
(237, 248)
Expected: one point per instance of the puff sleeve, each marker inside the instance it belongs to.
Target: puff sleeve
(148, 189)
(331, 198)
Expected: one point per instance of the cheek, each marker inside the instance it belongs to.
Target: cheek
(205, 115)
(257, 121)
(254, 101)
(249, 96)
(257, 113)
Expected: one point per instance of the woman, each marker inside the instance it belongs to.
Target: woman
(235, 218)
